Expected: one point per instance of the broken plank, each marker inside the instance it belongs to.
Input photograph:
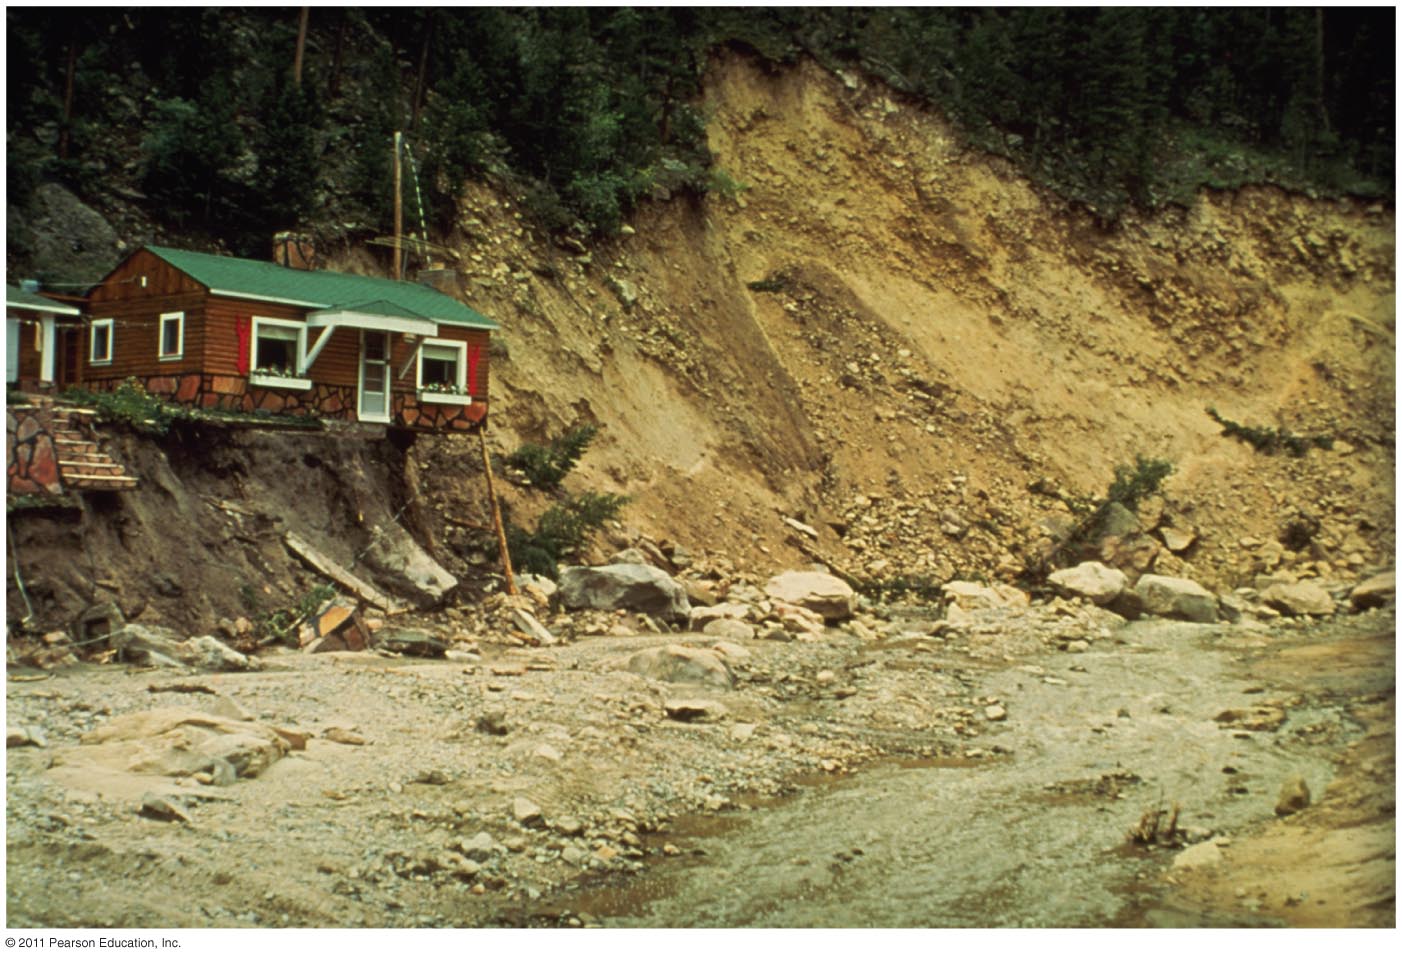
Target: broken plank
(334, 571)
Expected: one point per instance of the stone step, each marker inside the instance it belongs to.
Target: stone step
(75, 447)
(83, 481)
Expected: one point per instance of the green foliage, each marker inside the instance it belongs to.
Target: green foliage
(563, 530)
(1271, 439)
(1128, 489)
(546, 466)
(280, 625)
(190, 153)
(1133, 483)
(131, 405)
(592, 111)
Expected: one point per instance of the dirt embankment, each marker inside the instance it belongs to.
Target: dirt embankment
(890, 338)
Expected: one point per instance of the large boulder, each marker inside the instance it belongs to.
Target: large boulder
(1375, 591)
(1305, 598)
(683, 665)
(1176, 598)
(822, 593)
(160, 646)
(1090, 580)
(631, 586)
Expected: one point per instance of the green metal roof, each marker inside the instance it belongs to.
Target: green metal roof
(16, 297)
(320, 289)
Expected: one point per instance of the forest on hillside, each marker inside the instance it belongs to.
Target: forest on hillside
(233, 123)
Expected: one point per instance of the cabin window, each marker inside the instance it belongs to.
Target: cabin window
(100, 343)
(172, 336)
(443, 366)
(277, 346)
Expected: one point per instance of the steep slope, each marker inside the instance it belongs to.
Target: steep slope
(891, 338)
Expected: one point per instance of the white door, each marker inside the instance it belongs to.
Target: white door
(374, 376)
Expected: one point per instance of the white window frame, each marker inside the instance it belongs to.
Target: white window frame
(272, 380)
(460, 397)
(110, 326)
(179, 353)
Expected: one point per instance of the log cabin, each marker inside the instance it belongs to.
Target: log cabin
(246, 335)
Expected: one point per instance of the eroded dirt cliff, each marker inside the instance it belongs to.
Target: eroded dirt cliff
(890, 338)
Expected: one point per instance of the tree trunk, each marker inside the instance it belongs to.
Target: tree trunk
(65, 128)
(335, 86)
(422, 80)
(301, 46)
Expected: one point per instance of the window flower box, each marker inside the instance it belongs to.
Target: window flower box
(441, 396)
(278, 380)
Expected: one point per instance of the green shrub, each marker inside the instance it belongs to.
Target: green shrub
(1129, 487)
(546, 466)
(131, 405)
(562, 531)
(1269, 439)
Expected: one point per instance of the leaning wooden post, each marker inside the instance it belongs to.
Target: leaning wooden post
(496, 516)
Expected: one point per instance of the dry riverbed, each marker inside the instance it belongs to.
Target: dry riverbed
(515, 785)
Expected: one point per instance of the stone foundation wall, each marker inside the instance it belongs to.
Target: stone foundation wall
(213, 391)
(31, 465)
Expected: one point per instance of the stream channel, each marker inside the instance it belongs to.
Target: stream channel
(1036, 839)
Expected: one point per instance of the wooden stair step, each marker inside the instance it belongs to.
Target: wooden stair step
(90, 469)
(81, 481)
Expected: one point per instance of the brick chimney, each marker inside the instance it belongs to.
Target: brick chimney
(295, 250)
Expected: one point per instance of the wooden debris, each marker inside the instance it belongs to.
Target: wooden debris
(339, 574)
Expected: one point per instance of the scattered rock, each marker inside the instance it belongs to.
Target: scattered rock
(682, 665)
(693, 710)
(730, 629)
(1375, 591)
(631, 586)
(1305, 598)
(16, 736)
(799, 621)
(970, 596)
(525, 811)
(480, 847)
(1202, 854)
(343, 736)
(821, 593)
(1176, 598)
(531, 626)
(1294, 796)
(1259, 718)
(732, 652)
(702, 616)
(411, 642)
(1177, 540)
(568, 826)
(1117, 520)
(493, 722)
(156, 806)
(632, 556)
(1090, 580)
(995, 713)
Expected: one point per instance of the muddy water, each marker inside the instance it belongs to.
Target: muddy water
(1037, 839)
